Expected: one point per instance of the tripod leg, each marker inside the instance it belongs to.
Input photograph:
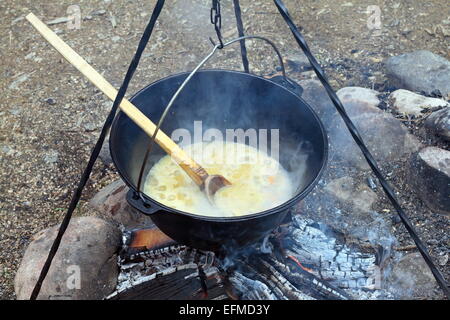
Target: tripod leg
(240, 28)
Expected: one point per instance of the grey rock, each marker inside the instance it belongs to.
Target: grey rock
(442, 260)
(372, 184)
(316, 96)
(430, 174)
(90, 126)
(297, 62)
(419, 71)
(85, 266)
(385, 137)
(407, 102)
(439, 123)
(358, 100)
(347, 190)
(411, 277)
(112, 204)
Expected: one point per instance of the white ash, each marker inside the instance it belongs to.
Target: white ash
(259, 291)
(337, 271)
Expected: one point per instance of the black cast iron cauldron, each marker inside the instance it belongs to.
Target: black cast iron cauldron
(221, 99)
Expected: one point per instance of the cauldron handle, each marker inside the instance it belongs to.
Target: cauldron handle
(283, 79)
(181, 87)
(280, 58)
(138, 202)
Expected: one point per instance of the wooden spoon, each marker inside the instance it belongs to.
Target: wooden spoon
(210, 183)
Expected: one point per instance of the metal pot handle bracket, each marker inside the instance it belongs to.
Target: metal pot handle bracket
(141, 204)
(138, 199)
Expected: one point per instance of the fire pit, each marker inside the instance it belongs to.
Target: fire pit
(297, 261)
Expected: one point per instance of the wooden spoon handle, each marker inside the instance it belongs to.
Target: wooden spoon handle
(192, 168)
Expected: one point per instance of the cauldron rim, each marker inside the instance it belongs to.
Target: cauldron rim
(285, 205)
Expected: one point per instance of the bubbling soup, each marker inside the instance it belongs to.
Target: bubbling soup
(259, 182)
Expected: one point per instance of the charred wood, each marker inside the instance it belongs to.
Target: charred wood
(299, 261)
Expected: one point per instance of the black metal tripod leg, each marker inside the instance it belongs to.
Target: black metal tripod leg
(359, 141)
(95, 152)
(240, 28)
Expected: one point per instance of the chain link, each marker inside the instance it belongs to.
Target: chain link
(216, 20)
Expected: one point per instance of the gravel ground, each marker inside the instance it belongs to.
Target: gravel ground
(51, 116)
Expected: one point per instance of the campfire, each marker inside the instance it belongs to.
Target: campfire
(272, 252)
(300, 260)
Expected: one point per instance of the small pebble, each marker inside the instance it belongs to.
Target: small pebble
(50, 101)
(113, 21)
(442, 260)
(90, 126)
(98, 12)
(371, 183)
(396, 219)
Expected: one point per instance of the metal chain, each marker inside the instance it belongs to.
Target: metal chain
(216, 20)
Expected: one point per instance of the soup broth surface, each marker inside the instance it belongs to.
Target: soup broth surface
(258, 181)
